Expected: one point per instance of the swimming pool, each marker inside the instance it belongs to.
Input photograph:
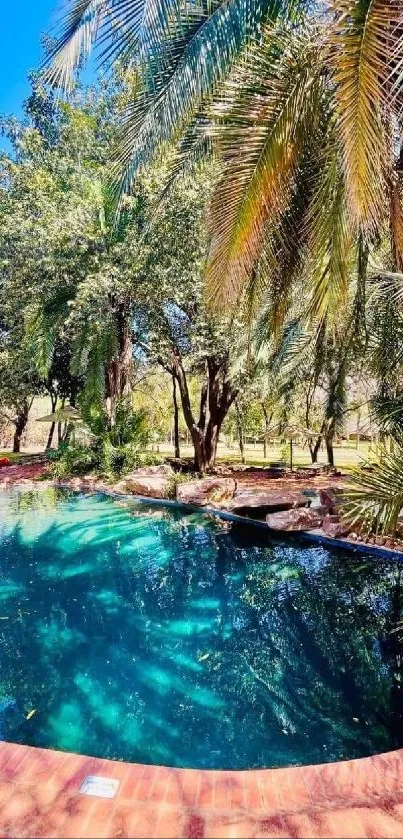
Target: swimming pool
(153, 634)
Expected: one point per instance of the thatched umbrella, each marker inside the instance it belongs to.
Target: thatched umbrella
(292, 432)
(67, 414)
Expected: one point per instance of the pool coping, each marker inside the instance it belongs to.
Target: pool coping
(42, 795)
(316, 536)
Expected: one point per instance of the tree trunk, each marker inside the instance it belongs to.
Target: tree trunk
(329, 449)
(314, 449)
(200, 460)
(20, 422)
(240, 432)
(16, 442)
(267, 421)
(211, 441)
(205, 446)
(117, 373)
(176, 418)
(50, 436)
(216, 399)
(53, 402)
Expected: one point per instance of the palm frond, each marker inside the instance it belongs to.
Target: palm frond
(330, 241)
(337, 366)
(281, 280)
(396, 224)
(120, 26)
(77, 32)
(294, 346)
(260, 131)
(387, 411)
(374, 497)
(190, 73)
(386, 329)
(364, 36)
(40, 339)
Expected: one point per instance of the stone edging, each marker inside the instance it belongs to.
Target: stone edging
(314, 536)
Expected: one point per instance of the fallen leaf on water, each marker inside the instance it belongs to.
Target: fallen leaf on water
(30, 714)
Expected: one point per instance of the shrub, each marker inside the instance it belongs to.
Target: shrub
(71, 459)
(113, 451)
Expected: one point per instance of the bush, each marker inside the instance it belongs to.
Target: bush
(113, 451)
(71, 459)
(178, 478)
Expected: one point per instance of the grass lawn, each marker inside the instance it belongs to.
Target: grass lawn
(346, 455)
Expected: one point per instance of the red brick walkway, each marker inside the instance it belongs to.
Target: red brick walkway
(40, 797)
(20, 473)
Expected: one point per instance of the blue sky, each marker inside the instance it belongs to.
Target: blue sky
(23, 22)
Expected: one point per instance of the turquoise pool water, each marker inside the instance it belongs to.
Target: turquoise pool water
(151, 634)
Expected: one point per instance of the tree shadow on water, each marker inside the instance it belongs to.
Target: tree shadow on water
(158, 640)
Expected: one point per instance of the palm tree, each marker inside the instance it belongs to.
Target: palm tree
(303, 107)
(301, 104)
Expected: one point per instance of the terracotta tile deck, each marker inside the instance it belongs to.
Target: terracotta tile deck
(40, 797)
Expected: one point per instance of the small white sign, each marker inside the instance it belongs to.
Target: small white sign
(99, 786)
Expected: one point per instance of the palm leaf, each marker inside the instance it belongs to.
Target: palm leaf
(267, 104)
(193, 68)
(123, 26)
(329, 240)
(396, 224)
(78, 31)
(289, 241)
(375, 498)
(364, 36)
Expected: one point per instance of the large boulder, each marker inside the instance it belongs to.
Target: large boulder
(149, 481)
(333, 526)
(252, 502)
(331, 499)
(206, 491)
(297, 519)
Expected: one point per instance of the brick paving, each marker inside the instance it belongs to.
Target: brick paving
(40, 797)
(21, 473)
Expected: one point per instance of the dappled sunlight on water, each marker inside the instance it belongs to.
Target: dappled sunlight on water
(147, 633)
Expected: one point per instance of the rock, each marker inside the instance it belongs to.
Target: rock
(290, 520)
(180, 464)
(334, 527)
(158, 469)
(150, 481)
(330, 498)
(206, 491)
(154, 486)
(250, 500)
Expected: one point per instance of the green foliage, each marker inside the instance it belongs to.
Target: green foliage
(374, 498)
(121, 448)
(72, 459)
